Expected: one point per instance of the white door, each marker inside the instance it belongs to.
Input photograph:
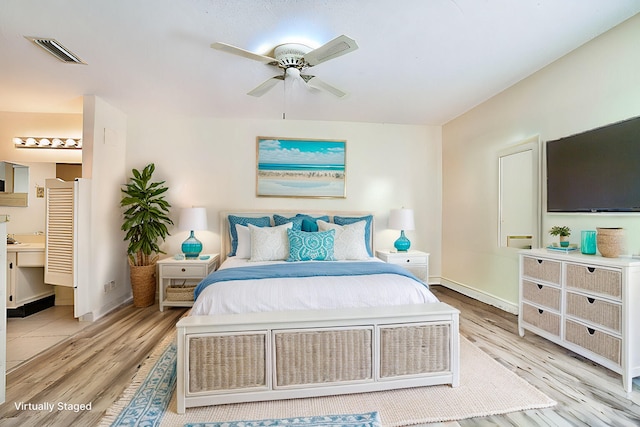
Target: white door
(67, 236)
(3, 309)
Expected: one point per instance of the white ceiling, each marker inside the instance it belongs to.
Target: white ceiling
(418, 62)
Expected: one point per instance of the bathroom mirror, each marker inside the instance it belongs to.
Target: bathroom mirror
(14, 184)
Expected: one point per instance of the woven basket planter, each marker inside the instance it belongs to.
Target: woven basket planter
(610, 241)
(143, 285)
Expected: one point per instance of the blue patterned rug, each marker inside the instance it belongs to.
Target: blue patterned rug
(149, 403)
(370, 419)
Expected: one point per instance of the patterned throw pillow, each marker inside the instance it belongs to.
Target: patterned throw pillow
(349, 240)
(264, 221)
(309, 223)
(281, 220)
(311, 246)
(269, 243)
(344, 220)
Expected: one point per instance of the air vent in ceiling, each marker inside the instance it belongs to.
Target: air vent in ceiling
(56, 49)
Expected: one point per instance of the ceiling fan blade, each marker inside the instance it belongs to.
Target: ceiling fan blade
(244, 53)
(339, 46)
(316, 83)
(265, 86)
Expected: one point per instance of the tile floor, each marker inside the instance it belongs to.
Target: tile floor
(28, 336)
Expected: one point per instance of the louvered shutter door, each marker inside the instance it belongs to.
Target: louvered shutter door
(59, 233)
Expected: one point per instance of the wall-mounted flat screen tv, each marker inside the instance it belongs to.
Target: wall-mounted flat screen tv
(595, 171)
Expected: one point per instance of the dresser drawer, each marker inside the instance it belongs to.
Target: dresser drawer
(545, 295)
(543, 319)
(598, 342)
(542, 269)
(594, 310)
(595, 279)
(183, 271)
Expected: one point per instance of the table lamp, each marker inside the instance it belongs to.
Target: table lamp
(401, 219)
(192, 219)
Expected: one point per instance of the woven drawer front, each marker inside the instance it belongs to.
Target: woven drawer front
(221, 362)
(596, 341)
(542, 319)
(542, 269)
(541, 294)
(323, 356)
(414, 349)
(602, 281)
(594, 310)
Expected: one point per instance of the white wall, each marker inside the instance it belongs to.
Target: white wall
(595, 85)
(212, 163)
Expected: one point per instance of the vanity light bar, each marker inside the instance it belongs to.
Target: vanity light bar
(30, 142)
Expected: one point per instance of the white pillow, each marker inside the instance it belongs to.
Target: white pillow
(244, 242)
(269, 243)
(349, 240)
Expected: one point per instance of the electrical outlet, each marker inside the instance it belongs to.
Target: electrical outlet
(109, 286)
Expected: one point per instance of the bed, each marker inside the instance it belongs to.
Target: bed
(301, 308)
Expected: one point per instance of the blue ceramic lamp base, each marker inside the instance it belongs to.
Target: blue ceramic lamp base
(191, 247)
(402, 244)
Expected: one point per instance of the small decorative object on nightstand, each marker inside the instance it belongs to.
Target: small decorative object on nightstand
(192, 219)
(181, 276)
(414, 261)
(401, 219)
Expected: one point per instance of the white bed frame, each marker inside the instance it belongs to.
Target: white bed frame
(281, 355)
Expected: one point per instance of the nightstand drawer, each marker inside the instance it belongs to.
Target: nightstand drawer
(406, 260)
(184, 271)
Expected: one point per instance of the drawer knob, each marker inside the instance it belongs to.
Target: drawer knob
(591, 331)
(540, 286)
(183, 270)
(540, 311)
(539, 261)
(408, 260)
(591, 300)
(591, 269)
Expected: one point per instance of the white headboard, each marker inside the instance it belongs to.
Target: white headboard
(225, 237)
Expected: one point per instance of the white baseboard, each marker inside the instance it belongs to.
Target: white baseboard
(479, 295)
(111, 306)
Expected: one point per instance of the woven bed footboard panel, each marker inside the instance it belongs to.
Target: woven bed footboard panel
(415, 349)
(227, 362)
(312, 357)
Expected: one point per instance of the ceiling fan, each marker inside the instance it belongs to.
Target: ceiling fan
(294, 59)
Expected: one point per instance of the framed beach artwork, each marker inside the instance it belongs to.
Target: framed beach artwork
(288, 167)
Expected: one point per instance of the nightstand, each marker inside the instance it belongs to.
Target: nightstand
(180, 272)
(415, 261)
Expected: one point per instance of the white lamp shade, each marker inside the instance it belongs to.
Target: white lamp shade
(192, 219)
(401, 219)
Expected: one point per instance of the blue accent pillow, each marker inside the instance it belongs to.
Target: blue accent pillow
(295, 220)
(344, 220)
(311, 246)
(309, 223)
(263, 221)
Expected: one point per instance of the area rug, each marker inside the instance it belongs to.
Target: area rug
(486, 388)
(370, 419)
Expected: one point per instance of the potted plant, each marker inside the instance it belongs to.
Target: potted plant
(563, 232)
(145, 222)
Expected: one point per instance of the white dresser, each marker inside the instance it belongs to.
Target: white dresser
(586, 303)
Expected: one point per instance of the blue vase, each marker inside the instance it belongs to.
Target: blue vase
(402, 244)
(588, 242)
(191, 247)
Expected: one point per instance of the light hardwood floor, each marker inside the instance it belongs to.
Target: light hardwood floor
(95, 366)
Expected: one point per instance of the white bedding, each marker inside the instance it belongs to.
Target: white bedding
(308, 293)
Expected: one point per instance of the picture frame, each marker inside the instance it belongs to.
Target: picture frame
(305, 168)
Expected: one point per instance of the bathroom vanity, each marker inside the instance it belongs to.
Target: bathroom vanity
(26, 291)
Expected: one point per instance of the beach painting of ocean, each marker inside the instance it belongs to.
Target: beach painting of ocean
(300, 168)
